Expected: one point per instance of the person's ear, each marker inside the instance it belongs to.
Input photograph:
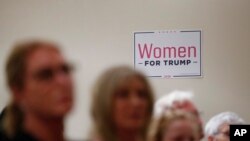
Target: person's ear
(17, 94)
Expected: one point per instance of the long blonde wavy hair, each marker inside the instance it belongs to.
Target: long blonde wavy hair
(103, 92)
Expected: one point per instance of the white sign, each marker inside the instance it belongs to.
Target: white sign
(168, 54)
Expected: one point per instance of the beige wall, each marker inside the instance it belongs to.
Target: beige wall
(98, 34)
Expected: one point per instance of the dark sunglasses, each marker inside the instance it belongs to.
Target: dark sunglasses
(47, 74)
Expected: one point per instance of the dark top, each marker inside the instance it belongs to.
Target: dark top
(21, 135)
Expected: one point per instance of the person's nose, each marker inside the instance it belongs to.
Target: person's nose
(62, 78)
(135, 99)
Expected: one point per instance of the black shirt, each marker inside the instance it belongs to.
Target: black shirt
(21, 135)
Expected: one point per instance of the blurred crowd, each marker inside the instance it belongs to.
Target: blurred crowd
(123, 104)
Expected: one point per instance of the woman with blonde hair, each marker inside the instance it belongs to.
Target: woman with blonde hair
(122, 105)
(174, 125)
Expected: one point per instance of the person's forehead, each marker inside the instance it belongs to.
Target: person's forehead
(181, 122)
(44, 57)
(180, 125)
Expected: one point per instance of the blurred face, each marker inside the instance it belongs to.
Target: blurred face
(223, 134)
(130, 105)
(48, 87)
(180, 130)
(190, 107)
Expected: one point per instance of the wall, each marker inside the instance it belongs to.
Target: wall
(98, 34)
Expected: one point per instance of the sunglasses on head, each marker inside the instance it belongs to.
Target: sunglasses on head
(48, 73)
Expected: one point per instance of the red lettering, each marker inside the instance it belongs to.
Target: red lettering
(145, 50)
(182, 52)
(194, 51)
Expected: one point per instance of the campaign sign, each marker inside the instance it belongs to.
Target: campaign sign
(168, 54)
(239, 132)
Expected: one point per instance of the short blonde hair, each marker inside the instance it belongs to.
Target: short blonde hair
(102, 97)
(160, 124)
